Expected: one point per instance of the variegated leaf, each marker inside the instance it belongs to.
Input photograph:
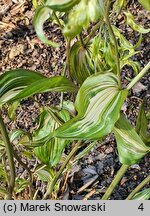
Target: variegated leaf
(142, 125)
(42, 14)
(81, 16)
(118, 5)
(87, 60)
(57, 84)
(50, 153)
(130, 146)
(98, 104)
(14, 81)
(61, 5)
(69, 105)
(45, 175)
(81, 65)
(133, 25)
(124, 43)
(143, 195)
(15, 134)
(20, 83)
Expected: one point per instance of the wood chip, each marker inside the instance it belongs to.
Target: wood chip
(87, 184)
(91, 193)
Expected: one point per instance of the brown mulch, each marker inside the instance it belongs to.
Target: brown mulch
(20, 48)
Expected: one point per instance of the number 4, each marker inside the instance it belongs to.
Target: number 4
(141, 207)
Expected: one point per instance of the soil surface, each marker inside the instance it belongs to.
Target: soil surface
(20, 48)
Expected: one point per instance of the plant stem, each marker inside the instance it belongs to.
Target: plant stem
(28, 170)
(67, 66)
(58, 174)
(139, 187)
(9, 151)
(107, 20)
(95, 28)
(68, 55)
(81, 40)
(57, 19)
(139, 76)
(116, 180)
(5, 165)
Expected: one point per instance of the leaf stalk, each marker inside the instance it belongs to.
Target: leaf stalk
(9, 151)
(139, 187)
(95, 28)
(58, 174)
(107, 21)
(28, 170)
(139, 76)
(116, 180)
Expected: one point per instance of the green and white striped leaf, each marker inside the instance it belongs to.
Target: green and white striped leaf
(47, 175)
(81, 16)
(61, 5)
(135, 65)
(98, 104)
(42, 14)
(142, 125)
(131, 22)
(12, 110)
(81, 64)
(50, 153)
(57, 84)
(69, 105)
(15, 134)
(124, 43)
(14, 81)
(130, 146)
(2, 147)
(118, 5)
(44, 175)
(19, 84)
(143, 195)
(87, 60)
